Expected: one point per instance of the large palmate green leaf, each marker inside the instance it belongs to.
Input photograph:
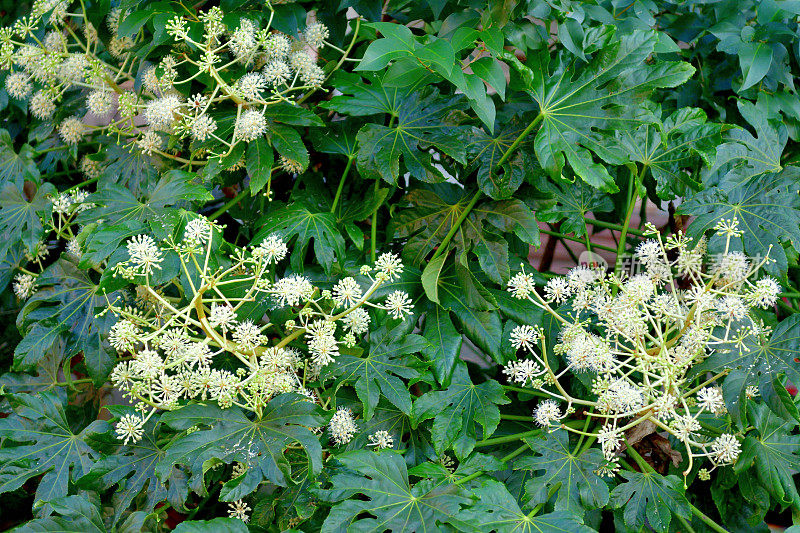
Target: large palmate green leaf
(16, 168)
(432, 214)
(65, 306)
(78, 513)
(423, 120)
(650, 499)
(308, 223)
(115, 204)
(132, 468)
(555, 467)
(21, 215)
(379, 372)
(229, 435)
(474, 309)
(46, 445)
(667, 148)
(392, 503)
(458, 411)
(571, 203)
(496, 510)
(767, 208)
(756, 362)
(484, 152)
(444, 343)
(774, 451)
(217, 525)
(747, 155)
(575, 105)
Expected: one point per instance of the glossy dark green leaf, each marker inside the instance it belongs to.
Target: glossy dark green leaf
(444, 343)
(390, 357)
(307, 223)
(495, 509)
(259, 164)
(576, 104)
(20, 215)
(47, 445)
(230, 435)
(16, 168)
(458, 410)
(394, 504)
(571, 203)
(774, 450)
(131, 469)
(649, 499)
(572, 476)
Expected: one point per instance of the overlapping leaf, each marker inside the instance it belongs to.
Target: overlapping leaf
(571, 203)
(132, 468)
(756, 362)
(767, 208)
(667, 148)
(576, 104)
(495, 509)
(22, 209)
(390, 357)
(458, 410)
(65, 305)
(115, 204)
(391, 503)
(423, 119)
(572, 476)
(229, 435)
(46, 445)
(774, 451)
(308, 223)
(650, 499)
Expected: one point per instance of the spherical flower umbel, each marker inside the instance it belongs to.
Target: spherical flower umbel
(251, 125)
(129, 428)
(342, 427)
(381, 439)
(546, 413)
(18, 85)
(398, 304)
(144, 254)
(24, 286)
(272, 249)
(347, 292)
(389, 265)
(521, 285)
(316, 34)
(202, 127)
(710, 399)
(726, 449)
(557, 290)
(525, 337)
(71, 130)
(222, 316)
(239, 509)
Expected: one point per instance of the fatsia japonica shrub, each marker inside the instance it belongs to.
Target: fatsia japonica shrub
(399, 266)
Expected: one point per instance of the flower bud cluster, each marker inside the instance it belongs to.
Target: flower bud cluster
(200, 338)
(246, 68)
(636, 339)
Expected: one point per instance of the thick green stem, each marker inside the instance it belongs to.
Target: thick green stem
(576, 239)
(341, 184)
(633, 195)
(235, 200)
(611, 225)
(695, 511)
(373, 231)
(519, 139)
(507, 438)
(480, 472)
(456, 225)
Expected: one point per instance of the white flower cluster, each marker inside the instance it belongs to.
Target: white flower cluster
(267, 68)
(638, 337)
(183, 347)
